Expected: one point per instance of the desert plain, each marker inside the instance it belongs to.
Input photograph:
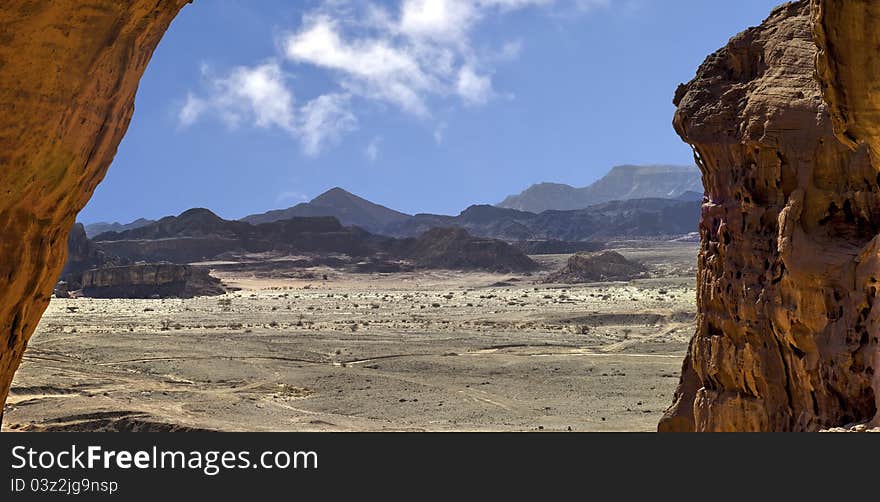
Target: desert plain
(319, 349)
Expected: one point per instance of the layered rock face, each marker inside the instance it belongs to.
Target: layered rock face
(69, 70)
(158, 280)
(82, 255)
(788, 268)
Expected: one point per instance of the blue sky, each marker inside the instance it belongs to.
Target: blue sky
(421, 105)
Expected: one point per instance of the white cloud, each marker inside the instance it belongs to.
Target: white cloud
(191, 110)
(371, 67)
(260, 96)
(442, 19)
(474, 89)
(324, 120)
(372, 150)
(256, 94)
(408, 55)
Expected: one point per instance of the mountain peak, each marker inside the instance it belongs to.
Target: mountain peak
(198, 212)
(335, 194)
(345, 206)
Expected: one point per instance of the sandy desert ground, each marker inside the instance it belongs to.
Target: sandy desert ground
(430, 350)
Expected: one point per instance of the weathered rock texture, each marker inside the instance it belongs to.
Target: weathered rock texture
(847, 34)
(69, 70)
(154, 280)
(787, 329)
(848, 67)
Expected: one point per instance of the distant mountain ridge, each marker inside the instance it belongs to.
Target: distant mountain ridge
(346, 207)
(94, 229)
(673, 215)
(646, 218)
(621, 183)
(198, 235)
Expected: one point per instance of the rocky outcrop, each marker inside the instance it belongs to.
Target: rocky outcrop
(455, 249)
(161, 280)
(598, 267)
(788, 267)
(69, 70)
(82, 255)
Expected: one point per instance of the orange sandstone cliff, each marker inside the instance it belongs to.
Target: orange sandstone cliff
(787, 336)
(69, 70)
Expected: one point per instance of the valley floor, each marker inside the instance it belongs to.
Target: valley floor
(436, 351)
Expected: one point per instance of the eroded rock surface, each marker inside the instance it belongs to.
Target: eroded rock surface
(69, 70)
(788, 268)
(151, 280)
(849, 67)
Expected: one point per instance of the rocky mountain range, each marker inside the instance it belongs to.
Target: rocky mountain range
(94, 229)
(650, 217)
(630, 201)
(621, 183)
(646, 218)
(200, 235)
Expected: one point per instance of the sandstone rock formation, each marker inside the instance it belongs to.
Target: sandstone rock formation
(788, 268)
(596, 267)
(848, 68)
(69, 70)
(157, 280)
